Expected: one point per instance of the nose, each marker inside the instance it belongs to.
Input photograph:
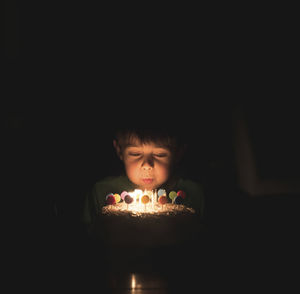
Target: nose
(148, 162)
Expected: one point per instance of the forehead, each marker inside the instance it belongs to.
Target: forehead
(136, 142)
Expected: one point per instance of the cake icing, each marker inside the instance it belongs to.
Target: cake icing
(158, 211)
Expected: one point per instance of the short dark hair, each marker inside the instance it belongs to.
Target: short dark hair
(165, 135)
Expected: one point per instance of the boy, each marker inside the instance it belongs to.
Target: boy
(150, 157)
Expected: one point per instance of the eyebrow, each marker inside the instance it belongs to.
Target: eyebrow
(140, 146)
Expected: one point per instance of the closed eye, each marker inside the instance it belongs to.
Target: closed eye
(134, 154)
(160, 154)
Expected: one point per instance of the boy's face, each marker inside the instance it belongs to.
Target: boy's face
(147, 165)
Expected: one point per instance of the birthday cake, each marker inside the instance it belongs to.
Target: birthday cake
(145, 219)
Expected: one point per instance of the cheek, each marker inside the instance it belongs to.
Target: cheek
(163, 172)
(131, 169)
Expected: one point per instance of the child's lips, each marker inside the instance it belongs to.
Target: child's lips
(147, 180)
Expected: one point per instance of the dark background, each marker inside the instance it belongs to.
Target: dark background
(73, 74)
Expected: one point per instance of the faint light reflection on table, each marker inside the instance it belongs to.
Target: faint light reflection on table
(139, 283)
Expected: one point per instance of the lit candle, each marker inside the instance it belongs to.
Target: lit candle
(152, 199)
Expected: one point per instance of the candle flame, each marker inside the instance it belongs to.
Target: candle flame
(138, 206)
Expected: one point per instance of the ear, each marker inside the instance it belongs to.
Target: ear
(118, 149)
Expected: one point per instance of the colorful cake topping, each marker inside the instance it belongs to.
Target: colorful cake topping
(110, 199)
(145, 199)
(150, 201)
(181, 194)
(117, 197)
(163, 199)
(161, 192)
(128, 199)
(146, 203)
(123, 194)
(109, 194)
(172, 195)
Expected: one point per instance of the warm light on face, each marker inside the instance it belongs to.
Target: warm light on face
(147, 165)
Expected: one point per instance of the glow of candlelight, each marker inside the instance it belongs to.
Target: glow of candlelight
(138, 206)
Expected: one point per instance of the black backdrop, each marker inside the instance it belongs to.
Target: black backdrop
(73, 72)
